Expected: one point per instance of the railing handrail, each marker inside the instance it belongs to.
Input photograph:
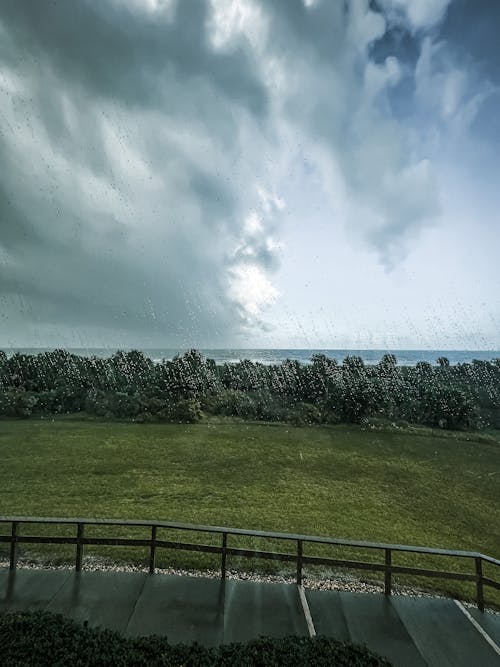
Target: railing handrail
(253, 533)
(388, 567)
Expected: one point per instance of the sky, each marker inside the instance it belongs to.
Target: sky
(250, 173)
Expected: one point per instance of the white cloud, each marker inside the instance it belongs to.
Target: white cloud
(270, 201)
(232, 19)
(252, 289)
(166, 7)
(363, 26)
(253, 224)
(378, 78)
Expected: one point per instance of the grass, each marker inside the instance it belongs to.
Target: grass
(410, 486)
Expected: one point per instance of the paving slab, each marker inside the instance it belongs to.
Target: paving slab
(100, 601)
(443, 634)
(253, 609)
(373, 620)
(185, 609)
(328, 614)
(489, 622)
(30, 590)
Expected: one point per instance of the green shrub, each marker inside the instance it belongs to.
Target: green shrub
(269, 408)
(123, 405)
(152, 405)
(112, 404)
(231, 403)
(41, 639)
(447, 407)
(18, 404)
(48, 402)
(145, 418)
(305, 413)
(94, 403)
(186, 411)
(330, 416)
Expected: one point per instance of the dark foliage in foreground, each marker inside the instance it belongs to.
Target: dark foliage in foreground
(41, 639)
(130, 385)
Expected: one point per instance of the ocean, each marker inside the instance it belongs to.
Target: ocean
(276, 356)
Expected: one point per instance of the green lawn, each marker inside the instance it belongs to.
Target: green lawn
(411, 486)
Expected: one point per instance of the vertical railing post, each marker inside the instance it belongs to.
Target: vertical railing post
(299, 562)
(224, 556)
(152, 551)
(479, 583)
(13, 545)
(388, 572)
(79, 546)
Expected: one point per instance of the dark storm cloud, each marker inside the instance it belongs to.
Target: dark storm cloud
(471, 30)
(72, 257)
(116, 51)
(468, 33)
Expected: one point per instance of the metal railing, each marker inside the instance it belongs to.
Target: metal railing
(299, 558)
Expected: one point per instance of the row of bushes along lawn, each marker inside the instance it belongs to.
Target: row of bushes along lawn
(130, 385)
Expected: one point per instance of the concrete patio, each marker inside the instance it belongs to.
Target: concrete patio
(409, 631)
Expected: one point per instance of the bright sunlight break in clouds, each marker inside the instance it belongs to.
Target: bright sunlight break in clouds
(250, 173)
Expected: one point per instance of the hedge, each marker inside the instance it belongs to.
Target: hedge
(43, 639)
